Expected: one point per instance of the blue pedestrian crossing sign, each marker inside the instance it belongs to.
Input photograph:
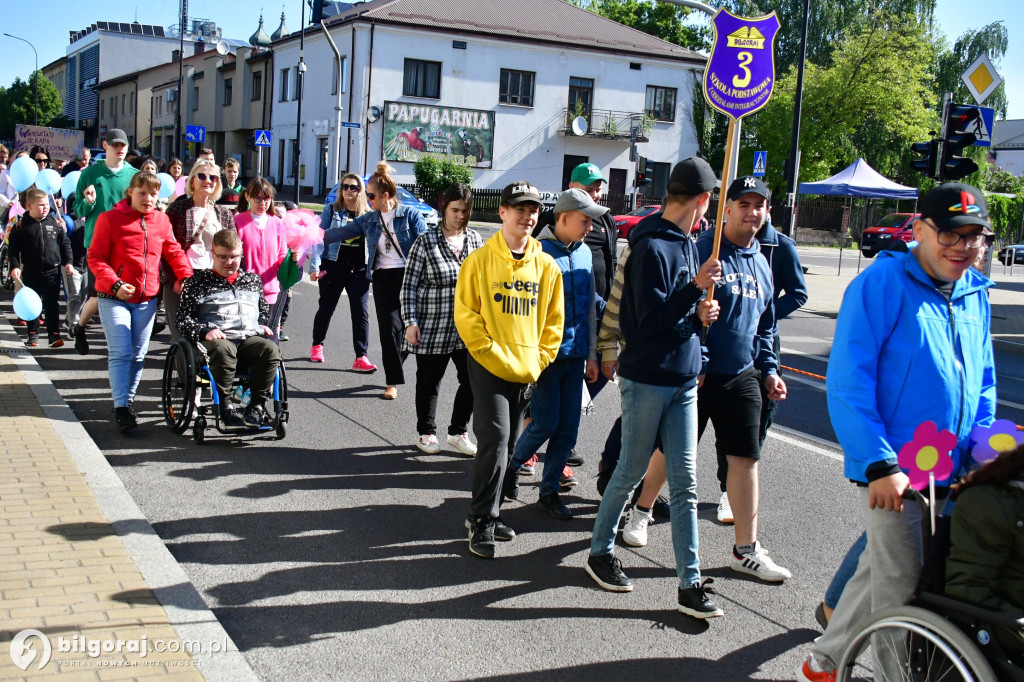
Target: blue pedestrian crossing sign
(760, 163)
(262, 138)
(195, 134)
(983, 127)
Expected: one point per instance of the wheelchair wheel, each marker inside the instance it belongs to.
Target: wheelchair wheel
(282, 430)
(911, 643)
(6, 281)
(199, 430)
(179, 386)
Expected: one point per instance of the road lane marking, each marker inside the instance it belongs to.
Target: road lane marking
(782, 433)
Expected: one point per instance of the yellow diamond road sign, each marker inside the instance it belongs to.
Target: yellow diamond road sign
(981, 78)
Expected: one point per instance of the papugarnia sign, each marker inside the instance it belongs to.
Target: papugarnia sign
(465, 136)
(740, 73)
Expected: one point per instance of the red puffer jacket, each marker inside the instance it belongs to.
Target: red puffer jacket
(128, 245)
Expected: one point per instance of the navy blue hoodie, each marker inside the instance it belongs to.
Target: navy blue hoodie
(743, 334)
(658, 320)
(787, 274)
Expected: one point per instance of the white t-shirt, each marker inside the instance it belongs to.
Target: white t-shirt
(388, 257)
(200, 252)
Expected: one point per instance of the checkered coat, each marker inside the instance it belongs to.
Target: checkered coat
(428, 291)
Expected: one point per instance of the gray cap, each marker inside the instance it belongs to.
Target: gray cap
(116, 135)
(577, 200)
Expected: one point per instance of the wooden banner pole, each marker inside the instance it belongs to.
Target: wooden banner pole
(720, 218)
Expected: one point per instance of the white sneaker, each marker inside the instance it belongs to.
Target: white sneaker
(724, 509)
(428, 444)
(463, 444)
(634, 533)
(759, 565)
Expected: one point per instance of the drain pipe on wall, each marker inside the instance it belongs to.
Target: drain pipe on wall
(337, 106)
(369, 84)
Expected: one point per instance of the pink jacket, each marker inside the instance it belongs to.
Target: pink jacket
(263, 251)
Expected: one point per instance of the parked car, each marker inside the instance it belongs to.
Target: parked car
(625, 223)
(891, 228)
(1014, 251)
(406, 197)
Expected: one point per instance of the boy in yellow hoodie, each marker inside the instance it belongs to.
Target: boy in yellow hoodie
(509, 310)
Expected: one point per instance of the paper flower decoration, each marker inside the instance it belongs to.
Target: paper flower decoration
(302, 231)
(927, 453)
(989, 441)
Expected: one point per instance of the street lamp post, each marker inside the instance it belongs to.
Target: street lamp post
(35, 74)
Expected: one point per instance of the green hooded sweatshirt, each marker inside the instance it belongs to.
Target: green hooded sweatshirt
(110, 189)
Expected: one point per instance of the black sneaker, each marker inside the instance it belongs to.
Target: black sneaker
(554, 506)
(606, 570)
(158, 326)
(575, 460)
(602, 480)
(81, 343)
(256, 416)
(481, 537)
(32, 341)
(124, 418)
(662, 508)
(694, 601)
(502, 533)
(230, 419)
(510, 485)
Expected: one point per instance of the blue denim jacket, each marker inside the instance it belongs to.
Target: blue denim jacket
(328, 219)
(408, 225)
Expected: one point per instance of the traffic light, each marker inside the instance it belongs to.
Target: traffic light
(648, 172)
(959, 120)
(929, 152)
(318, 11)
(641, 168)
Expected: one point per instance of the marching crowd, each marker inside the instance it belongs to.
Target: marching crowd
(684, 322)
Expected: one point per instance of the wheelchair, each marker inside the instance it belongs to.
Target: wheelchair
(188, 377)
(936, 637)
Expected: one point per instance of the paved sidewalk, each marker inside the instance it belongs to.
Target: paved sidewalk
(81, 564)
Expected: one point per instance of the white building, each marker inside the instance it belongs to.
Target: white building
(1007, 150)
(498, 84)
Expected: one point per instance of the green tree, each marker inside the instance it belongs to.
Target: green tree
(952, 62)
(659, 19)
(436, 175)
(17, 104)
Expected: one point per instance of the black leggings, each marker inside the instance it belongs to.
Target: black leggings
(340, 277)
(387, 289)
(47, 285)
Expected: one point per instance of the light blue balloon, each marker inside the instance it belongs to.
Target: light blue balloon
(27, 304)
(48, 180)
(70, 184)
(166, 185)
(23, 173)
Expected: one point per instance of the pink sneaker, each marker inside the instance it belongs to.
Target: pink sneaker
(363, 365)
(316, 353)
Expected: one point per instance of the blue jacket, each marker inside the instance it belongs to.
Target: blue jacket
(579, 334)
(787, 273)
(409, 224)
(328, 219)
(657, 318)
(902, 355)
(744, 333)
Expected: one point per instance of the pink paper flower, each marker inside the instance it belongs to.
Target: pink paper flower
(927, 453)
(989, 441)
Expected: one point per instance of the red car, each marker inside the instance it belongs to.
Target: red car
(891, 228)
(625, 223)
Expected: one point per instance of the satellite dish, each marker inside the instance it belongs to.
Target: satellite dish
(579, 126)
(221, 47)
(373, 114)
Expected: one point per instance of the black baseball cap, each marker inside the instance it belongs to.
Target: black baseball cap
(747, 184)
(956, 205)
(519, 192)
(691, 177)
(117, 135)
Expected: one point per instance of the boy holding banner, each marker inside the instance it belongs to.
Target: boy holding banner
(912, 345)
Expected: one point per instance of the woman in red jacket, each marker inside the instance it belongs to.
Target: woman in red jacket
(127, 245)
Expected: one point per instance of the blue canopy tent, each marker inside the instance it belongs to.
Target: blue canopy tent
(859, 180)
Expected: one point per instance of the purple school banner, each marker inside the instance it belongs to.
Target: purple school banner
(740, 73)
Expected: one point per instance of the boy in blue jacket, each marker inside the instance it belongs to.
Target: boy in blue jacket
(911, 345)
(555, 406)
(738, 353)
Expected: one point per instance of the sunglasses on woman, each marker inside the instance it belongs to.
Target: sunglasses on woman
(203, 177)
(371, 196)
(350, 188)
(42, 160)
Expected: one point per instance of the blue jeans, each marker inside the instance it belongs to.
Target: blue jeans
(555, 413)
(647, 413)
(127, 327)
(846, 570)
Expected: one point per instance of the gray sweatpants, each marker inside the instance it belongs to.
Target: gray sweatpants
(886, 575)
(498, 407)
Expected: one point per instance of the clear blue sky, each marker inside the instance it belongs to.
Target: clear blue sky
(238, 19)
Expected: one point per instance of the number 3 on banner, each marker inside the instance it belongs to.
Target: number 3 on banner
(745, 59)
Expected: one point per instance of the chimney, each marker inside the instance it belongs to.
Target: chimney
(200, 47)
(174, 55)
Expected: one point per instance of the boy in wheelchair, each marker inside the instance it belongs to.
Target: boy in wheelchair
(223, 309)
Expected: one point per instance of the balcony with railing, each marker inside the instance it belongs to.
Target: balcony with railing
(608, 125)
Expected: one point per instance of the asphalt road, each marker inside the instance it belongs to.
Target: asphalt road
(339, 553)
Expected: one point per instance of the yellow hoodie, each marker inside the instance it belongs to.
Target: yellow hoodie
(510, 312)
